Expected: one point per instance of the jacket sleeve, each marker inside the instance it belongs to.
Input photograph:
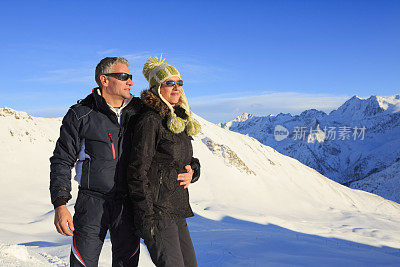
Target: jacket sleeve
(144, 139)
(63, 160)
(195, 164)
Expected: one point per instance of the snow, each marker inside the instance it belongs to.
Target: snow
(346, 156)
(253, 205)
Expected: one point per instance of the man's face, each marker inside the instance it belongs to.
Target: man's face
(115, 88)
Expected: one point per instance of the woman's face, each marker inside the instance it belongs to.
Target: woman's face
(171, 93)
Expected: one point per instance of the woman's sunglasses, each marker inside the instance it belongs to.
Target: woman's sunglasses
(120, 76)
(172, 83)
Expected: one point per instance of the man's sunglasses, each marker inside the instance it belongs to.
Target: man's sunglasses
(172, 83)
(120, 76)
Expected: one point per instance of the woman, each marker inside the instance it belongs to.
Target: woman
(161, 149)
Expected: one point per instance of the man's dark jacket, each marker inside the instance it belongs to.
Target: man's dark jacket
(90, 132)
(157, 157)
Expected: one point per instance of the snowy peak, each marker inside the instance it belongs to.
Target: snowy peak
(390, 104)
(313, 113)
(239, 119)
(11, 113)
(243, 117)
(19, 126)
(360, 108)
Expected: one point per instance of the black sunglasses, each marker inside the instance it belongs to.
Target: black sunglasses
(120, 76)
(172, 83)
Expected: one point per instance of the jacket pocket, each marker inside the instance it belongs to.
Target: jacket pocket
(167, 185)
(172, 183)
(80, 200)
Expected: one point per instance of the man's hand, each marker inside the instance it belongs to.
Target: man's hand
(63, 220)
(186, 178)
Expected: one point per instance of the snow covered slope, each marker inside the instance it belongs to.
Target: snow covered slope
(253, 205)
(359, 139)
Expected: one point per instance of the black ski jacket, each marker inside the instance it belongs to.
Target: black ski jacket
(91, 134)
(157, 157)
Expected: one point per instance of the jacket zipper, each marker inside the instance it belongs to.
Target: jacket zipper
(121, 120)
(88, 176)
(159, 188)
(119, 142)
(112, 145)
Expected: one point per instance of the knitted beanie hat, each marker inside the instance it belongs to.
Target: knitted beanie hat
(156, 71)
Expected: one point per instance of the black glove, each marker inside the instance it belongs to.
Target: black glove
(195, 164)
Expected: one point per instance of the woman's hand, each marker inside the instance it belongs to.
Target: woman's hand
(186, 178)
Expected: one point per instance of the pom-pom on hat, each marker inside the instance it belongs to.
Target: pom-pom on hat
(156, 71)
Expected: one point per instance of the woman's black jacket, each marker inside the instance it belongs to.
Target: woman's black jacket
(157, 157)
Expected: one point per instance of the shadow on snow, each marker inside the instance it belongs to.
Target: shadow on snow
(233, 242)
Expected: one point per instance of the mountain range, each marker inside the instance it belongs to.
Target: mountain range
(357, 144)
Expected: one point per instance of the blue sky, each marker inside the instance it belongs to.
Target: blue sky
(259, 57)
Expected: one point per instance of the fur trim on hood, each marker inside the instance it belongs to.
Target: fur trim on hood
(154, 102)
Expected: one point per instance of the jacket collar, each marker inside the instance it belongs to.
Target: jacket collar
(97, 102)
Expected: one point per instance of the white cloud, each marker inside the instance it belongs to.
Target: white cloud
(54, 112)
(79, 75)
(195, 70)
(142, 56)
(107, 51)
(220, 108)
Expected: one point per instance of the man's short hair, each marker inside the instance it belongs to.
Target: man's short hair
(106, 65)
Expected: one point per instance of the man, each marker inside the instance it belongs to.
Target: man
(95, 132)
